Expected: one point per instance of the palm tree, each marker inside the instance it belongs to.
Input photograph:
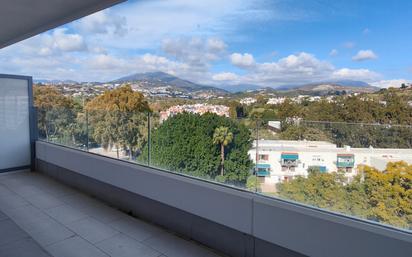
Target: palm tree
(223, 137)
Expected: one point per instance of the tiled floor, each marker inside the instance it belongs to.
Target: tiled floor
(41, 217)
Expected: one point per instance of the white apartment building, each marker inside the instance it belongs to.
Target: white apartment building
(201, 109)
(282, 160)
(248, 101)
(276, 100)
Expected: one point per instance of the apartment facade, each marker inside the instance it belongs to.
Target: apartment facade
(282, 160)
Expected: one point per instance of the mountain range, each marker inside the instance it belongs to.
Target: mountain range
(162, 79)
(151, 79)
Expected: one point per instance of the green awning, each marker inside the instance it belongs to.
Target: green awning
(263, 173)
(263, 166)
(290, 156)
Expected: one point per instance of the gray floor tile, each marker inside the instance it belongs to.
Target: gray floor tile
(44, 201)
(4, 191)
(124, 246)
(27, 190)
(79, 201)
(13, 182)
(103, 213)
(38, 225)
(52, 234)
(173, 246)
(65, 214)
(92, 230)
(135, 228)
(23, 248)
(10, 232)
(25, 214)
(60, 190)
(3, 216)
(8, 202)
(74, 247)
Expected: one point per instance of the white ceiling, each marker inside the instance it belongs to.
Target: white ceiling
(21, 19)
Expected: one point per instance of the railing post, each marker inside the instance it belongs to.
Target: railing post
(148, 138)
(87, 130)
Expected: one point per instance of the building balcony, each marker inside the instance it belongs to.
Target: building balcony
(345, 161)
(263, 170)
(289, 159)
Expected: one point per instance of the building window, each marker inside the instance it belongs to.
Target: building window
(263, 157)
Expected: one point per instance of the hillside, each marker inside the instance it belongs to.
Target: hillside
(326, 88)
(161, 79)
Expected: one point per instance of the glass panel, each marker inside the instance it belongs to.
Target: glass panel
(243, 102)
(209, 146)
(63, 126)
(308, 162)
(14, 123)
(362, 170)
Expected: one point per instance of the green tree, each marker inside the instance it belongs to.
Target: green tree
(222, 137)
(118, 118)
(56, 112)
(252, 183)
(289, 109)
(302, 132)
(184, 143)
(382, 196)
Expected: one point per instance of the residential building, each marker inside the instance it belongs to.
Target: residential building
(248, 101)
(282, 160)
(220, 110)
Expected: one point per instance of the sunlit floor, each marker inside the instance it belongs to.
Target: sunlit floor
(41, 217)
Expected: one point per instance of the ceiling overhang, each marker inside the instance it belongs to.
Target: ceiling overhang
(21, 19)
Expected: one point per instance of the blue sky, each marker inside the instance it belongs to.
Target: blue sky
(263, 42)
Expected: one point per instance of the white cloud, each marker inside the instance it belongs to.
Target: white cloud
(366, 31)
(297, 69)
(333, 52)
(364, 55)
(103, 22)
(67, 42)
(242, 60)
(215, 45)
(194, 51)
(225, 76)
(391, 83)
(109, 67)
(144, 24)
(293, 69)
(355, 74)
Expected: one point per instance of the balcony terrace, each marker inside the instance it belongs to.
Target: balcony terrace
(42, 217)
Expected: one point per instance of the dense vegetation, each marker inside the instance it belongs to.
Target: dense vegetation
(379, 196)
(56, 114)
(381, 120)
(185, 143)
(118, 118)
